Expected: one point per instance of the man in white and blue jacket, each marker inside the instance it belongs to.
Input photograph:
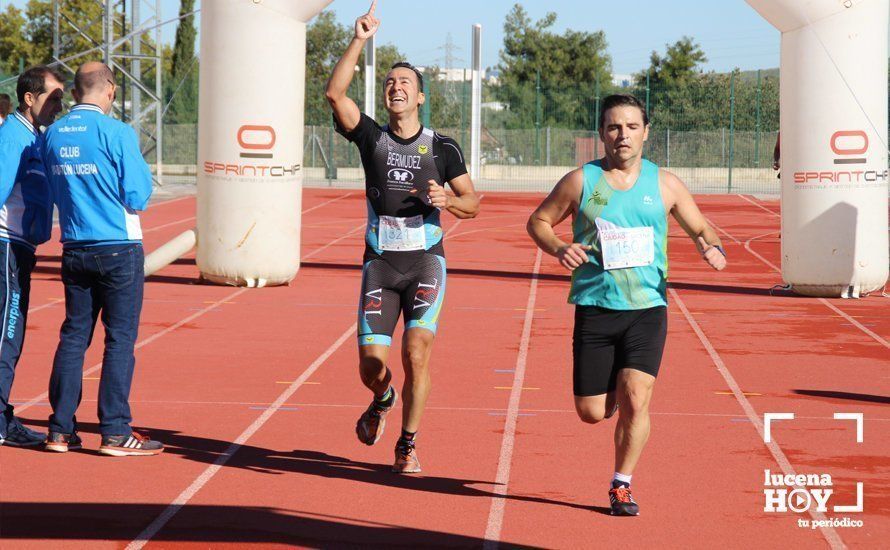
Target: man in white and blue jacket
(26, 211)
(99, 181)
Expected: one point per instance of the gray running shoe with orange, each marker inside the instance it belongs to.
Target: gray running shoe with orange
(369, 427)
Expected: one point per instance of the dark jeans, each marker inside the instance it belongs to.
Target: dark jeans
(16, 264)
(106, 280)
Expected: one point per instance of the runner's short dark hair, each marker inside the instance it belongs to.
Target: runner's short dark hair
(406, 65)
(34, 81)
(622, 100)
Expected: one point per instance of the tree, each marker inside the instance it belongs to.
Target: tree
(182, 84)
(30, 37)
(326, 40)
(86, 14)
(677, 67)
(14, 44)
(449, 102)
(572, 68)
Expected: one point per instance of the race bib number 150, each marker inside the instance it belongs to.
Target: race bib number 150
(624, 247)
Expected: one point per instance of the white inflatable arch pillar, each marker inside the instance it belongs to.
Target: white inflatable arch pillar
(833, 105)
(250, 139)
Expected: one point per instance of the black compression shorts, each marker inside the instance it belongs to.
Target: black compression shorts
(417, 292)
(606, 341)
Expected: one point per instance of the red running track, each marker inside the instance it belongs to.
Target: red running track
(255, 392)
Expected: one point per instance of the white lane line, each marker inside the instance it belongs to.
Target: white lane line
(856, 323)
(450, 233)
(332, 243)
(758, 256)
(444, 409)
(146, 341)
(496, 512)
(51, 303)
(760, 206)
(317, 206)
(720, 229)
(202, 480)
(875, 336)
(170, 201)
(834, 540)
(498, 229)
(171, 328)
(177, 222)
(149, 230)
(357, 228)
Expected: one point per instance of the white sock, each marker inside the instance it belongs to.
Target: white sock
(623, 478)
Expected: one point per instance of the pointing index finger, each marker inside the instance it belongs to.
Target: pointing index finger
(373, 7)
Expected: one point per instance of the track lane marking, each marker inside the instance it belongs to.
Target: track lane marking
(185, 496)
(831, 536)
(873, 335)
(145, 341)
(502, 480)
(149, 532)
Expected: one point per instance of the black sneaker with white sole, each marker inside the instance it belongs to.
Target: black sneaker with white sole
(19, 435)
(134, 444)
(622, 502)
(58, 442)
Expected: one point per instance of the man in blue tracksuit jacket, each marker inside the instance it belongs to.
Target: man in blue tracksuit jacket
(99, 181)
(26, 211)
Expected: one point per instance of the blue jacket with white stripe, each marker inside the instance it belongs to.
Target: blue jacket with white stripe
(98, 177)
(26, 214)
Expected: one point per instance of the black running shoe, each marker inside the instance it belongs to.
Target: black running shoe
(58, 442)
(134, 444)
(622, 502)
(19, 435)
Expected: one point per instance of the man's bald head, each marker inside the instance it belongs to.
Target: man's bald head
(94, 84)
(92, 77)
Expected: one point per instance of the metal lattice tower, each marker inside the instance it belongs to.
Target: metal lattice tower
(450, 48)
(126, 36)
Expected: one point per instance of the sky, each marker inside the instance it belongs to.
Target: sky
(730, 32)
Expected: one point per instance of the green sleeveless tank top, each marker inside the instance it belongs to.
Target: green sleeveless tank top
(601, 212)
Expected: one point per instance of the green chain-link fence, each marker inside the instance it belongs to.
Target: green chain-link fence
(716, 133)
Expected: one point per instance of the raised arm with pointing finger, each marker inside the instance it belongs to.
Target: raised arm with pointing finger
(345, 109)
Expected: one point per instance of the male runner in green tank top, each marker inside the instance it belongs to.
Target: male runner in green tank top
(618, 259)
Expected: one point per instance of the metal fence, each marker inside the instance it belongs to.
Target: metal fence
(709, 161)
(716, 132)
